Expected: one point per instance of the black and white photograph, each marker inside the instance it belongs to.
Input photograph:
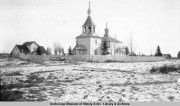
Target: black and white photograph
(114, 51)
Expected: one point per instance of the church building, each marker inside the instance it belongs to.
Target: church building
(89, 43)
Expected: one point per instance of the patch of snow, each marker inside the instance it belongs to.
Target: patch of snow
(98, 81)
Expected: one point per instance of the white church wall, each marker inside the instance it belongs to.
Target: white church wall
(95, 44)
(85, 42)
(113, 47)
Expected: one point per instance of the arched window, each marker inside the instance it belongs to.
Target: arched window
(89, 29)
(84, 29)
(95, 52)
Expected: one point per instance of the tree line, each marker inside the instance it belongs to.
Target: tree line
(58, 50)
(129, 51)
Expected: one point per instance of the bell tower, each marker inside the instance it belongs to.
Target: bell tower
(88, 42)
(89, 26)
(106, 31)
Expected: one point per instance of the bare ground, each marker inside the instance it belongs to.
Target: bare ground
(59, 81)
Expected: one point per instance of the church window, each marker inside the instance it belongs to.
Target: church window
(84, 29)
(94, 29)
(108, 44)
(83, 52)
(95, 52)
(95, 41)
(89, 28)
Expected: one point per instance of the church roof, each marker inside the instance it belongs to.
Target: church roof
(89, 22)
(79, 47)
(86, 35)
(107, 36)
(110, 39)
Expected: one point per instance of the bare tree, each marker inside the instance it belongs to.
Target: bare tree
(62, 51)
(132, 47)
(57, 48)
(49, 51)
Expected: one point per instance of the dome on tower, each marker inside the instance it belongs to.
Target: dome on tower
(89, 22)
(89, 10)
(106, 29)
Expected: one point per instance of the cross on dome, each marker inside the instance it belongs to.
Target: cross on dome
(89, 10)
(106, 25)
(106, 29)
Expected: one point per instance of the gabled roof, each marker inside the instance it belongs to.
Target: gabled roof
(89, 22)
(23, 49)
(41, 50)
(79, 47)
(29, 43)
(110, 39)
(87, 35)
(179, 52)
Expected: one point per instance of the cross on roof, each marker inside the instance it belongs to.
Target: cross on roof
(106, 25)
(89, 10)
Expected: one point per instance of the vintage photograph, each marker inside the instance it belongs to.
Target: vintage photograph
(90, 50)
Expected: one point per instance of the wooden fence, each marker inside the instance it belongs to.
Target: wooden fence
(95, 58)
(35, 57)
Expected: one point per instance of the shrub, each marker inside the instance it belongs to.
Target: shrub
(167, 69)
(178, 67)
(164, 69)
(34, 80)
(154, 70)
(7, 95)
(171, 98)
(109, 61)
(13, 73)
(90, 61)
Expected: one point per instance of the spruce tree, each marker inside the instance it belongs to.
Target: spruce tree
(62, 51)
(158, 52)
(70, 51)
(49, 51)
(178, 55)
(104, 48)
(126, 50)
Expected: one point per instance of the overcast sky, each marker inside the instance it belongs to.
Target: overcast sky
(150, 22)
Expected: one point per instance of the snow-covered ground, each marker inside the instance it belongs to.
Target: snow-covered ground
(60, 81)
